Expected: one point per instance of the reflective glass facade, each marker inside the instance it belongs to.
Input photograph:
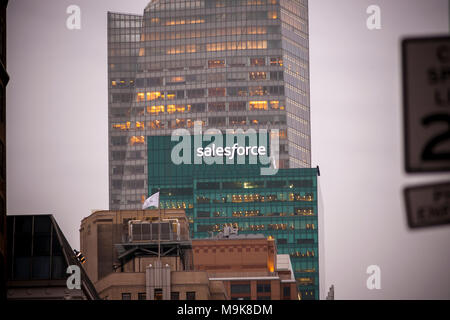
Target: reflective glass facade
(226, 63)
(284, 205)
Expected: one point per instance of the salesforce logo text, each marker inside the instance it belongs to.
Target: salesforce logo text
(236, 146)
(231, 151)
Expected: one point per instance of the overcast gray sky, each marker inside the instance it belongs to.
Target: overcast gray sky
(57, 133)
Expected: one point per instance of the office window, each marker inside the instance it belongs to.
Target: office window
(126, 296)
(174, 295)
(190, 295)
(237, 76)
(198, 107)
(287, 291)
(237, 91)
(257, 61)
(237, 106)
(263, 287)
(175, 80)
(158, 294)
(276, 61)
(196, 93)
(240, 288)
(238, 120)
(258, 105)
(218, 121)
(142, 296)
(216, 63)
(258, 91)
(216, 92)
(216, 77)
(237, 61)
(216, 106)
(254, 75)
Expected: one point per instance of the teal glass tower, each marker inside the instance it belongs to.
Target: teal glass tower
(284, 206)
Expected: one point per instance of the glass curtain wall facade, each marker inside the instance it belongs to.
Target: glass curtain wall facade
(225, 63)
(283, 206)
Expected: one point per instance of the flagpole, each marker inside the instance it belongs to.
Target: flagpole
(159, 230)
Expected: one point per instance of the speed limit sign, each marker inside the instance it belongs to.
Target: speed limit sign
(426, 103)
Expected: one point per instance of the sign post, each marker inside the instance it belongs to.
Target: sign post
(426, 120)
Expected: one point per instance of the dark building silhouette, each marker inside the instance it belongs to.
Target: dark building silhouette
(38, 257)
(4, 78)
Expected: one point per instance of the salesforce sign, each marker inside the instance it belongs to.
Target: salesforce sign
(235, 146)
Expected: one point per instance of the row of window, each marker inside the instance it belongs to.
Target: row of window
(258, 197)
(201, 213)
(158, 295)
(203, 93)
(193, 4)
(210, 18)
(198, 64)
(195, 48)
(304, 183)
(243, 227)
(175, 65)
(212, 32)
(198, 78)
(235, 106)
(189, 123)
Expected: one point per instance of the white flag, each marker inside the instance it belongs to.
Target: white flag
(152, 201)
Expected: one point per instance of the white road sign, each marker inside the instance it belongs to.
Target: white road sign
(426, 103)
(428, 205)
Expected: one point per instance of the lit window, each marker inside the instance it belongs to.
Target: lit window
(257, 75)
(154, 95)
(258, 91)
(155, 109)
(140, 125)
(122, 126)
(258, 105)
(171, 108)
(141, 52)
(277, 61)
(140, 97)
(216, 63)
(257, 61)
(272, 15)
(137, 140)
(275, 104)
(190, 48)
(176, 79)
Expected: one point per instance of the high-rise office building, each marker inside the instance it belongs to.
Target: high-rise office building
(225, 63)
(286, 205)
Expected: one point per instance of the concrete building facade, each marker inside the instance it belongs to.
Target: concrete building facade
(144, 255)
(248, 265)
(127, 261)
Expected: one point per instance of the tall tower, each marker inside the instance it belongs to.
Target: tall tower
(226, 63)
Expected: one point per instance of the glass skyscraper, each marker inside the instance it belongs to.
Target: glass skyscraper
(225, 63)
(285, 205)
